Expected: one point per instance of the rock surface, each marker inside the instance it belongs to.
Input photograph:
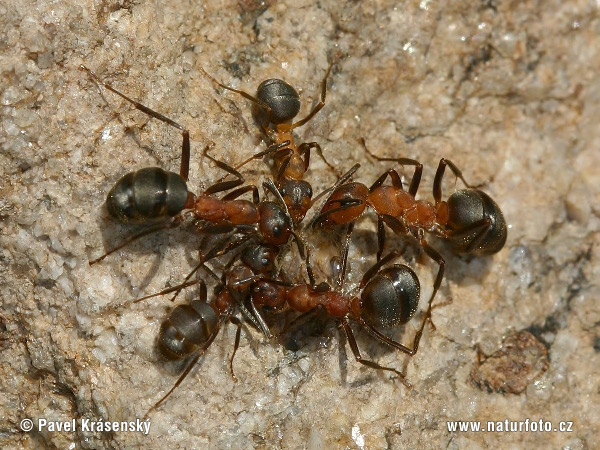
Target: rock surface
(509, 91)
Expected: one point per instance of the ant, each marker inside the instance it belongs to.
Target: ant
(277, 103)
(190, 329)
(272, 225)
(470, 220)
(388, 297)
(154, 196)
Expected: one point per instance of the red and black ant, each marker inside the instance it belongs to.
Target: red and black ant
(190, 329)
(162, 199)
(469, 220)
(388, 297)
(277, 104)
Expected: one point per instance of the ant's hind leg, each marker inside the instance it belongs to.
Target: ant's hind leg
(414, 182)
(305, 148)
(185, 146)
(366, 362)
(222, 185)
(238, 333)
(439, 175)
(135, 237)
(319, 106)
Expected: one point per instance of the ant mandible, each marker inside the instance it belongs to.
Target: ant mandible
(278, 103)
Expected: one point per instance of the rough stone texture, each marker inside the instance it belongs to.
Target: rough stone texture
(509, 90)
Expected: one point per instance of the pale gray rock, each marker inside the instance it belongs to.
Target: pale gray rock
(509, 91)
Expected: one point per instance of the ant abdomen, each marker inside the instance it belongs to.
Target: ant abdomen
(186, 328)
(391, 297)
(281, 97)
(146, 195)
(477, 224)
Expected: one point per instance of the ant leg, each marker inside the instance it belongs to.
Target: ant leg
(456, 171)
(366, 362)
(481, 227)
(271, 149)
(433, 254)
(439, 305)
(253, 315)
(394, 223)
(380, 237)
(305, 148)
(439, 174)
(187, 370)
(185, 146)
(213, 253)
(376, 267)
(118, 307)
(396, 181)
(414, 182)
(309, 271)
(342, 277)
(302, 247)
(317, 313)
(337, 184)
(235, 194)
(319, 106)
(250, 316)
(171, 289)
(223, 185)
(238, 333)
(135, 237)
(244, 94)
(259, 321)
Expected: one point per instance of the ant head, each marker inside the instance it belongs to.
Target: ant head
(260, 258)
(391, 297)
(281, 97)
(466, 209)
(296, 195)
(268, 294)
(239, 281)
(274, 226)
(344, 205)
